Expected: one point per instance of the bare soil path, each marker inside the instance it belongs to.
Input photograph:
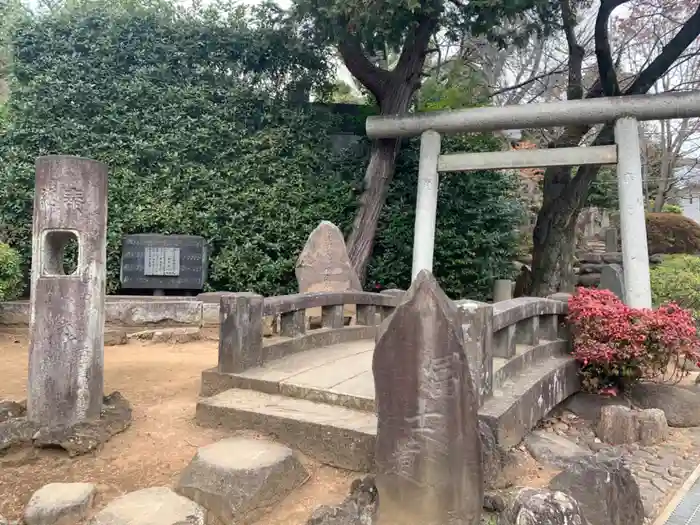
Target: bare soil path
(161, 381)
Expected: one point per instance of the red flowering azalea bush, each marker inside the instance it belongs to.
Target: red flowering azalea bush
(617, 345)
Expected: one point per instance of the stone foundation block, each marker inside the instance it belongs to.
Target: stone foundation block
(60, 504)
(239, 478)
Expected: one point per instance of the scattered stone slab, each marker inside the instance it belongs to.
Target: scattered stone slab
(10, 409)
(238, 478)
(605, 489)
(588, 406)
(553, 449)
(531, 506)
(169, 335)
(428, 449)
(152, 506)
(177, 335)
(115, 337)
(359, 508)
(60, 504)
(680, 405)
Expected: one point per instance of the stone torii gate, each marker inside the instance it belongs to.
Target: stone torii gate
(625, 112)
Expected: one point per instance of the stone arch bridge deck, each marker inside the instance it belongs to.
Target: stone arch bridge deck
(311, 386)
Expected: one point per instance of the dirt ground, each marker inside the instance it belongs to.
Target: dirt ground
(161, 381)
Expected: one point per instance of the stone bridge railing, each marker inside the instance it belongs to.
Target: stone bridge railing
(493, 331)
(242, 317)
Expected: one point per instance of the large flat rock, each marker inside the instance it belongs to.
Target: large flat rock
(239, 478)
(153, 506)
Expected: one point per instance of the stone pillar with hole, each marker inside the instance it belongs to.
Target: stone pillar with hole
(69, 243)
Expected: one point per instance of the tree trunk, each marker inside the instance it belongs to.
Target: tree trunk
(378, 177)
(380, 172)
(553, 250)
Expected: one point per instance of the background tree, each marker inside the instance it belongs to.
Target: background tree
(678, 138)
(405, 29)
(566, 190)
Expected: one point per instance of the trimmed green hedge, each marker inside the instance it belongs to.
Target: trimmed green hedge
(11, 278)
(195, 149)
(677, 279)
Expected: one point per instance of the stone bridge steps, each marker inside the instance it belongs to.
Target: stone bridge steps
(322, 401)
(523, 400)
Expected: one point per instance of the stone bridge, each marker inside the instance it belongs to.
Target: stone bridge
(307, 380)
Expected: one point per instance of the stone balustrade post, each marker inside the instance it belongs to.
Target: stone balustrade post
(240, 332)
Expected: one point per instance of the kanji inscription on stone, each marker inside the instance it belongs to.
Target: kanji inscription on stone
(428, 453)
(67, 308)
(161, 261)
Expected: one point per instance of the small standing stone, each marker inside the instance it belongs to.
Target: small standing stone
(428, 451)
(324, 265)
(59, 504)
(612, 278)
(652, 427)
(617, 425)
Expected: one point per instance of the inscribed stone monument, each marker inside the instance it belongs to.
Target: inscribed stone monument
(67, 307)
(428, 453)
(324, 265)
(612, 278)
(164, 262)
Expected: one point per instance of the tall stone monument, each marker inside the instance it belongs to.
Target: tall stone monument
(428, 454)
(67, 309)
(324, 265)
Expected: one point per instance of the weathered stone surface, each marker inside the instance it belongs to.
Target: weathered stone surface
(88, 435)
(652, 427)
(324, 266)
(588, 406)
(605, 490)
(10, 409)
(428, 451)
(239, 478)
(530, 506)
(617, 425)
(145, 313)
(589, 279)
(359, 508)
(240, 332)
(523, 282)
(66, 346)
(59, 504)
(612, 243)
(681, 406)
(491, 456)
(547, 447)
(590, 268)
(612, 278)
(15, 432)
(477, 328)
(153, 506)
(177, 335)
(115, 337)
